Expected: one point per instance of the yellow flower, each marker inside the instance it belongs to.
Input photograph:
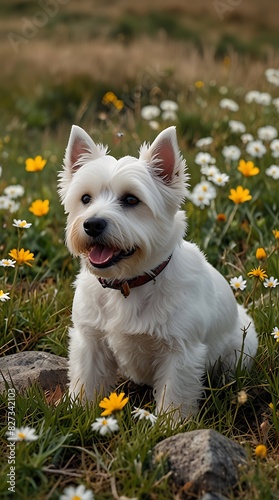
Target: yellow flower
(276, 233)
(199, 84)
(39, 207)
(109, 97)
(239, 195)
(34, 164)
(260, 254)
(247, 168)
(22, 256)
(114, 402)
(261, 451)
(118, 104)
(257, 273)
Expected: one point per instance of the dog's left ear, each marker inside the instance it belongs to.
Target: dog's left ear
(164, 155)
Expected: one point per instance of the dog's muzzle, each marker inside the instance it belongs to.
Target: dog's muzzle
(100, 255)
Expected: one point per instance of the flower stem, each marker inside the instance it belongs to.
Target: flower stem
(229, 221)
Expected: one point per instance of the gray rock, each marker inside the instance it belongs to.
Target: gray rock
(213, 496)
(26, 368)
(202, 463)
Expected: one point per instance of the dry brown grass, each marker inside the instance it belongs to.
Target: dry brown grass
(52, 54)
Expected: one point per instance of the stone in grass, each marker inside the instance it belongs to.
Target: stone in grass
(203, 463)
(23, 369)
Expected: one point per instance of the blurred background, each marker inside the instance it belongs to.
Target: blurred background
(59, 57)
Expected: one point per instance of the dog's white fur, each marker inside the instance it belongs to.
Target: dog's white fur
(169, 331)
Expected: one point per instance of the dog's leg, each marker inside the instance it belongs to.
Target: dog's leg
(92, 367)
(179, 381)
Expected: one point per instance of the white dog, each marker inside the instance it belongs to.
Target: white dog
(147, 302)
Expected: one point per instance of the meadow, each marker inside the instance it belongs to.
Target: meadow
(224, 102)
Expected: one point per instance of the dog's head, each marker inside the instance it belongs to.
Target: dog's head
(123, 215)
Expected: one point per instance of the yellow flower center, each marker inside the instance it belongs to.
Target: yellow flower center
(104, 422)
(76, 497)
(21, 435)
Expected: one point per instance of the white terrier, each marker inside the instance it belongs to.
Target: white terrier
(146, 302)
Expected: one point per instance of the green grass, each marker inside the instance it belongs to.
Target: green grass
(38, 313)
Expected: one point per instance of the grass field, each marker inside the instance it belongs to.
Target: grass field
(57, 74)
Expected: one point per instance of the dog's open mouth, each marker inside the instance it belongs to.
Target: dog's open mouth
(101, 256)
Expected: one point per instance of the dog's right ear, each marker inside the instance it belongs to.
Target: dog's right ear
(80, 150)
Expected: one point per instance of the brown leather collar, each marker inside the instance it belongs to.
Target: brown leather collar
(124, 286)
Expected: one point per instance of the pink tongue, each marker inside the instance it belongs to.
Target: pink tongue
(100, 254)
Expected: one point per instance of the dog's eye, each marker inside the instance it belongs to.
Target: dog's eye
(86, 198)
(129, 200)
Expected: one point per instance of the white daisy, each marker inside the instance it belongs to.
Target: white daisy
(144, 414)
(4, 202)
(105, 425)
(209, 171)
(200, 199)
(228, 104)
(207, 188)
(220, 179)
(267, 133)
(273, 171)
(7, 263)
(271, 282)
(76, 493)
(246, 138)
(4, 296)
(22, 434)
(203, 193)
(264, 98)
(168, 105)
(256, 149)
(14, 191)
(22, 223)
(274, 146)
(203, 158)
(237, 127)
(272, 76)
(231, 153)
(238, 283)
(150, 112)
(275, 333)
(252, 96)
(204, 141)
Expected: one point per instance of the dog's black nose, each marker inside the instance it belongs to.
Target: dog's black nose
(94, 226)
